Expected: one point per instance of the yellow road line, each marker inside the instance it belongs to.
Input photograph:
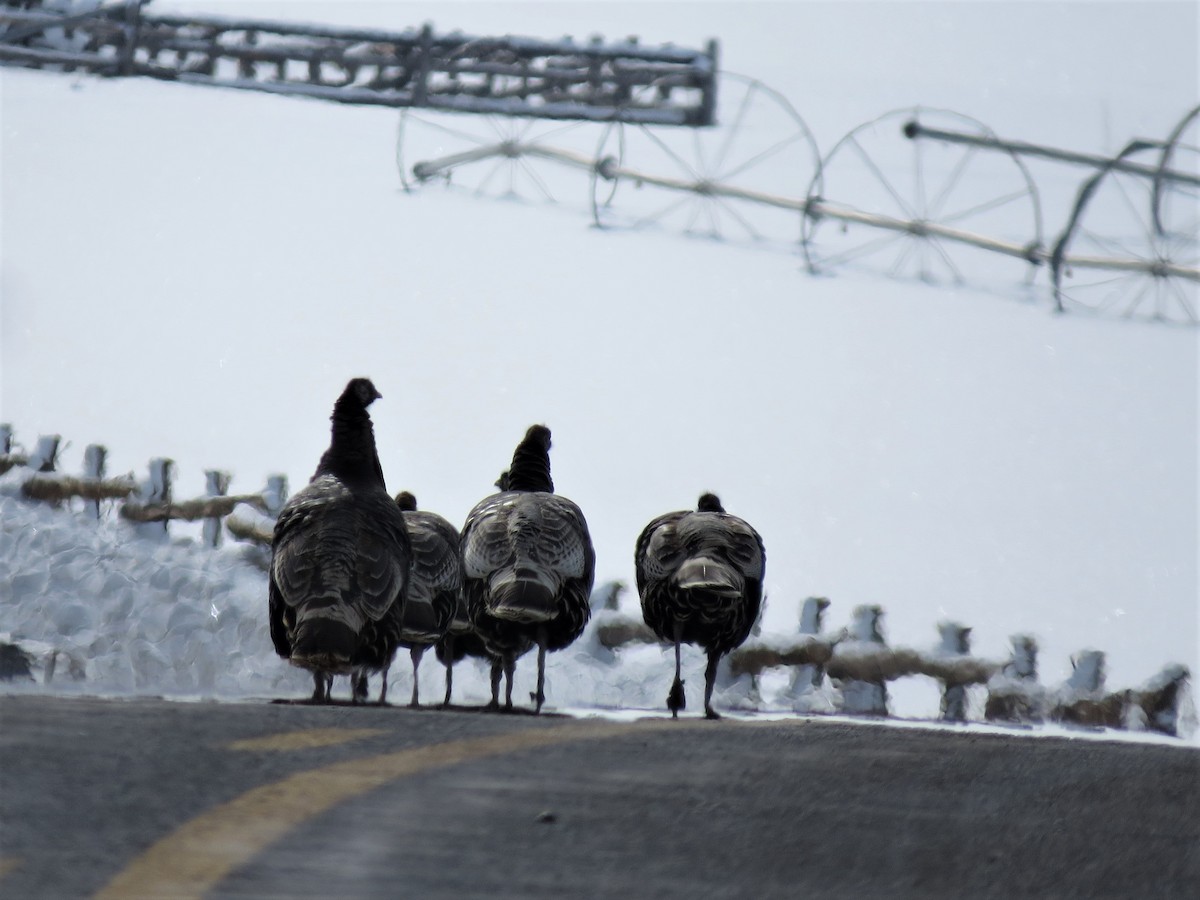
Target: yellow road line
(8, 864)
(303, 740)
(195, 857)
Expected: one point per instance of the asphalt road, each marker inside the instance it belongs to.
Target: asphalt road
(160, 799)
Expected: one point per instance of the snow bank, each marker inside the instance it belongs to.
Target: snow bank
(141, 616)
(103, 609)
(136, 616)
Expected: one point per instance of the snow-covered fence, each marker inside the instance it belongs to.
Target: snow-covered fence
(858, 663)
(47, 484)
(845, 670)
(149, 503)
(43, 458)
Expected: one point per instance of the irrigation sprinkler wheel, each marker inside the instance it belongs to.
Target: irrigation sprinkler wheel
(1185, 134)
(610, 156)
(881, 174)
(467, 151)
(1132, 246)
(740, 179)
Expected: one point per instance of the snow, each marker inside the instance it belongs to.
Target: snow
(195, 273)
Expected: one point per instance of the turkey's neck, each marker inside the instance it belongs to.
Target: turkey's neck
(530, 471)
(351, 455)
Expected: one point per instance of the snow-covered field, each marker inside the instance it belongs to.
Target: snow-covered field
(195, 274)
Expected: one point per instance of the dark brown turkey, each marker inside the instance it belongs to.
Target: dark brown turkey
(435, 586)
(459, 642)
(341, 558)
(700, 577)
(528, 566)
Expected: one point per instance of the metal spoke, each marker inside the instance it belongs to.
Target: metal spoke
(1185, 302)
(987, 206)
(504, 127)
(952, 181)
(1108, 299)
(889, 237)
(497, 131)
(1114, 246)
(1133, 207)
(481, 187)
(536, 179)
(698, 154)
(1113, 297)
(734, 128)
(1160, 299)
(671, 153)
(762, 156)
(887, 185)
(1077, 286)
(922, 248)
(564, 128)
(941, 251)
(1183, 245)
(666, 210)
(453, 132)
(1137, 300)
(906, 251)
(732, 211)
(713, 221)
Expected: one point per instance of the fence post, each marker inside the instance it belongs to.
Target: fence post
(95, 459)
(1014, 694)
(1024, 659)
(45, 456)
(8, 459)
(216, 485)
(956, 641)
(740, 691)
(157, 490)
(1081, 699)
(812, 615)
(867, 698)
(276, 494)
(1164, 700)
(806, 680)
(1087, 672)
(607, 595)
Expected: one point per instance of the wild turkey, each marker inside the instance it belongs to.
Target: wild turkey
(460, 639)
(700, 577)
(459, 642)
(435, 587)
(341, 558)
(528, 565)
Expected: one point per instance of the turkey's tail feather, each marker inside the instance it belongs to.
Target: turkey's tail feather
(521, 599)
(705, 574)
(324, 640)
(421, 624)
